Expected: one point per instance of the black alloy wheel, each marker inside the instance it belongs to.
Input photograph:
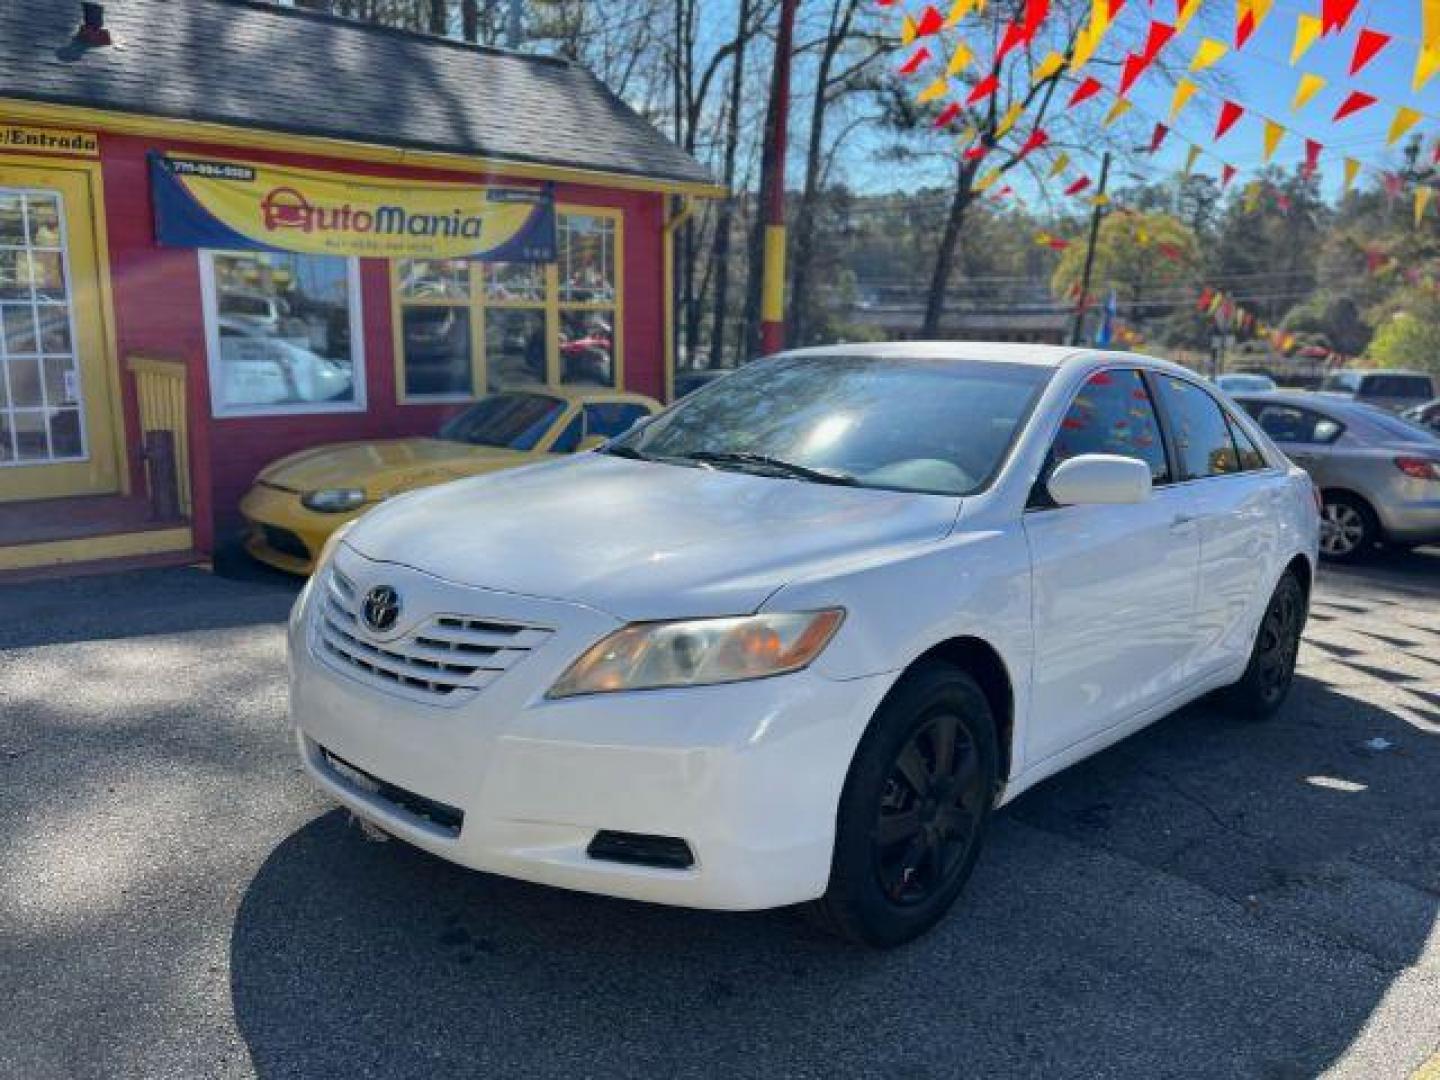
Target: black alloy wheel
(913, 810)
(929, 813)
(1271, 671)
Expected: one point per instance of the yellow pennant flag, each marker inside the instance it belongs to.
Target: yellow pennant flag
(1061, 164)
(1184, 91)
(1422, 200)
(1252, 196)
(1119, 109)
(1427, 63)
(1310, 85)
(1099, 15)
(968, 135)
(1185, 14)
(935, 90)
(1352, 171)
(1207, 54)
(1405, 119)
(1100, 200)
(960, 60)
(1007, 121)
(1273, 134)
(1430, 25)
(987, 181)
(1142, 238)
(1048, 67)
(1191, 158)
(908, 30)
(1086, 42)
(1307, 32)
(960, 9)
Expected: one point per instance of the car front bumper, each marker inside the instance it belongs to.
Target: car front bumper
(748, 775)
(282, 533)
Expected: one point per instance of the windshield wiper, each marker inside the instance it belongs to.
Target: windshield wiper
(773, 464)
(626, 452)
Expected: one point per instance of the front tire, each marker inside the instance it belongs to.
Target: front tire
(1271, 671)
(913, 810)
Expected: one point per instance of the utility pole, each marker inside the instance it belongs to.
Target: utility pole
(772, 172)
(1099, 215)
(514, 24)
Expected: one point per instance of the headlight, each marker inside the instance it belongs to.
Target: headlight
(700, 652)
(333, 500)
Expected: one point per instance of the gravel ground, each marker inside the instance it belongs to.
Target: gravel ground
(1209, 897)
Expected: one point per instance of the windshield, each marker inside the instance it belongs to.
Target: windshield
(1246, 383)
(516, 421)
(928, 425)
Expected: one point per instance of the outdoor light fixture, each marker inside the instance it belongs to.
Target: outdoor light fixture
(92, 30)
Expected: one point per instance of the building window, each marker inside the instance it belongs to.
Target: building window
(465, 328)
(284, 331)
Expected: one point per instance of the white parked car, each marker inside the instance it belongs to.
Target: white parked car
(795, 638)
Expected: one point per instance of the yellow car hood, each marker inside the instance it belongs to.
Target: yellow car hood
(385, 467)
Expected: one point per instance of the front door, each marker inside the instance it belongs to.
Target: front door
(57, 435)
(1114, 586)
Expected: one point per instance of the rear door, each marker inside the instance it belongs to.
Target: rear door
(1305, 435)
(1231, 494)
(1114, 586)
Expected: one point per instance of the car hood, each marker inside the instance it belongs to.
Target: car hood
(385, 466)
(642, 540)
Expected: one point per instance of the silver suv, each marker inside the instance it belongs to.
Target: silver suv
(1392, 390)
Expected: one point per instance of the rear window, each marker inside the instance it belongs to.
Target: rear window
(1399, 386)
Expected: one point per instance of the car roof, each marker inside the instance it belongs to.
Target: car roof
(1052, 356)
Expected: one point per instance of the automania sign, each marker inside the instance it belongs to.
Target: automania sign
(240, 206)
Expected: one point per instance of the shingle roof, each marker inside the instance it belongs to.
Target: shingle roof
(249, 64)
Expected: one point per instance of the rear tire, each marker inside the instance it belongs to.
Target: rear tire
(1348, 528)
(913, 810)
(1271, 671)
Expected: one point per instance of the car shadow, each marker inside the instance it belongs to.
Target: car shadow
(1195, 891)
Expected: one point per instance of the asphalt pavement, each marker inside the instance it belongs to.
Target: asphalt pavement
(1210, 897)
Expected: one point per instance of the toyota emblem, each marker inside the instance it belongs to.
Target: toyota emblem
(381, 608)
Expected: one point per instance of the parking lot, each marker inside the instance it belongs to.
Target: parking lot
(1209, 897)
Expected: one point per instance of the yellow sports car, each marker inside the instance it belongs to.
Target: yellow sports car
(298, 501)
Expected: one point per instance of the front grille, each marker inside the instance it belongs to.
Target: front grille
(449, 819)
(445, 658)
(285, 542)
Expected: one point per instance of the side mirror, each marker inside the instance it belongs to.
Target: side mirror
(591, 442)
(1100, 480)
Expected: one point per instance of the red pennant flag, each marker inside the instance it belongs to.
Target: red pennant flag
(1312, 158)
(1038, 138)
(976, 152)
(1085, 91)
(1283, 202)
(947, 114)
(1230, 114)
(1374, 259)
(1160, 35)
(1170, 251)
(1056, 244)
(983, 89)
(1334, 14)
(1158, 139)
(1226, 175)
(1358, 101)
(918, 58)
(1244, 29)
(1013, 39)
(1367, 47)
(931, 22)
(1206, 295)
(1134, 67)
(1036, 12)
(1394, 184)
(1078, 186)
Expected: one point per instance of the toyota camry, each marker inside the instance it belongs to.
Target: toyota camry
(795, 639)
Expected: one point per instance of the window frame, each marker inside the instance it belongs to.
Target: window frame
(1341, 426)
(210, 310)
(479, 305)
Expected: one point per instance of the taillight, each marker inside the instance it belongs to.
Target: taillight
(1418, 467)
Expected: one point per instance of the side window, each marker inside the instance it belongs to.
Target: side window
(611, 418)
(570, 438)
(1292, 424)
(1113, 414)
(1199, 428)
(1251, 459)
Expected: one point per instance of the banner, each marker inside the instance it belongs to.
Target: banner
(242, 206)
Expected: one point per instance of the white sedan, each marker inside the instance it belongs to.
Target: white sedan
(796, 638)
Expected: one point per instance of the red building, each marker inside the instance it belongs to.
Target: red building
(241, 230)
